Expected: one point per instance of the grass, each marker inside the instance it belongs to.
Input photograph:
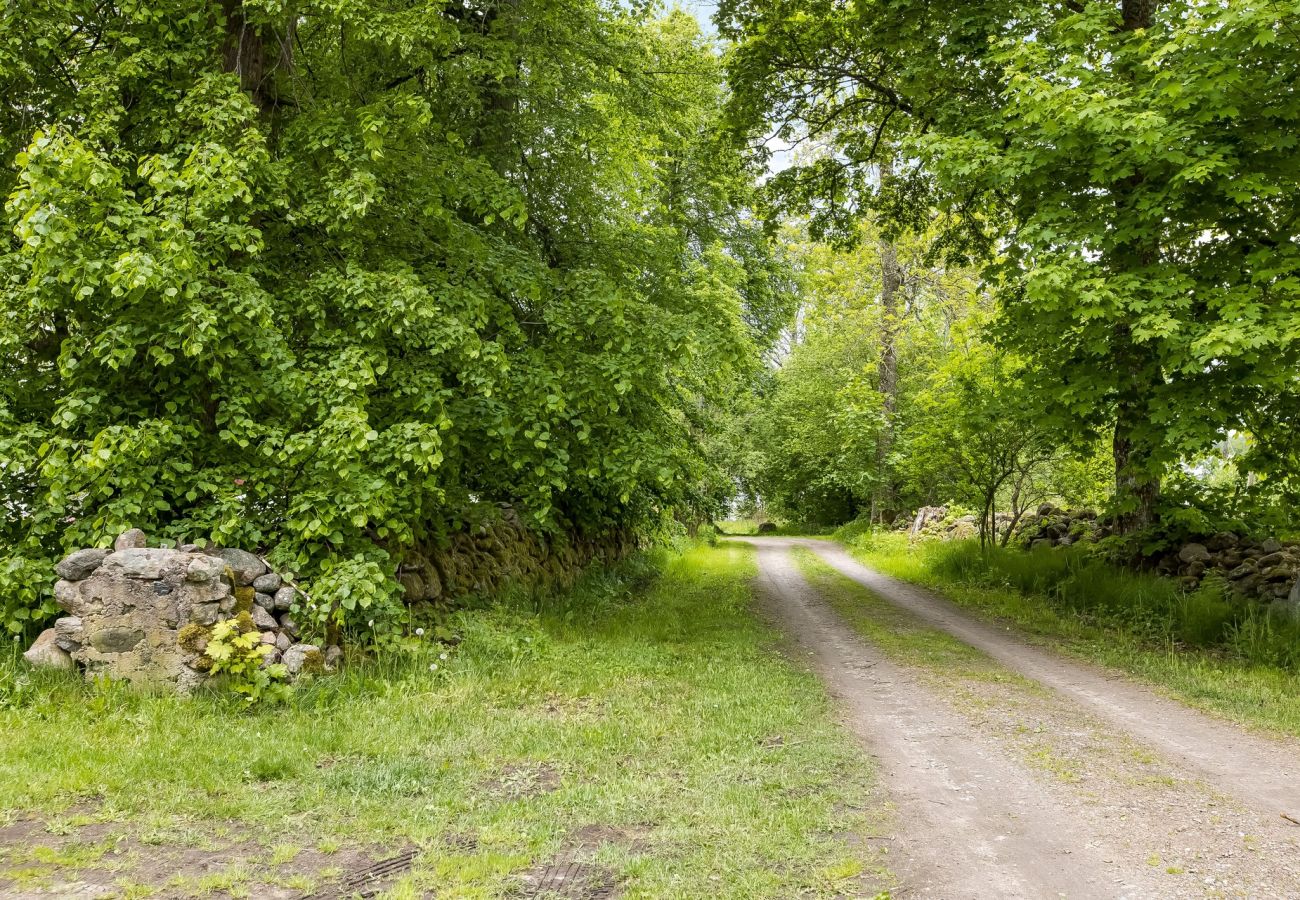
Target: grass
(1192, 646)
(739, 527)
(642, 721)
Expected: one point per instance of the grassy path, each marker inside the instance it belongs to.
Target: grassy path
(645, 735)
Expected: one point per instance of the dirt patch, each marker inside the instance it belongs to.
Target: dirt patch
(521, 781)
(49, 858)
(567, 879)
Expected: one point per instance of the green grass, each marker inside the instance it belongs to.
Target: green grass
(739, 527)
(1140, 623)
(649, 710)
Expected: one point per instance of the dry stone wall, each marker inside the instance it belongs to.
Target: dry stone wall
(1263, 570)
(143, 614)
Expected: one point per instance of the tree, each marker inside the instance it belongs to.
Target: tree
(1132, 164)
(320, 278)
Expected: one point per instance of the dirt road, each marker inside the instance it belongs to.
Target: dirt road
(1041, 777)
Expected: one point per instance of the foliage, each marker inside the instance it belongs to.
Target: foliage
(1131, 164)
(316, 279)
(237, 652)
(960, 423)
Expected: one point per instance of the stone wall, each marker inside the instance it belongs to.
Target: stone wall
(1263, 570)
(143, 614)
(499, 551)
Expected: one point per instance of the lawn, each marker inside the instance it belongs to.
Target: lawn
(639, 733)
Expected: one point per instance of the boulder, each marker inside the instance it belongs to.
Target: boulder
(246, 566)
(1271, 545)
(412, 585)
(268, 583)
(263, 619)
(283, 599)
(205, 569)
(301, 657)
(79, 565)
(1224, 540)
(1194, 553)
(131, 539)
(45, 653)
(266, 601)
(767, 527)
(140, 563)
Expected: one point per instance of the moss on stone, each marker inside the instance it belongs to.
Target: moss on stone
(244, 621)
(313, 662)
(193, 637)
(244, 599)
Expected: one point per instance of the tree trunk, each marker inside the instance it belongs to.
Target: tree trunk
(891, 281)
(1137, 487)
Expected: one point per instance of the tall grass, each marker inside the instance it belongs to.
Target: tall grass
(1078, 584)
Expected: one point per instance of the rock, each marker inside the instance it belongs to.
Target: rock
(263, 619)
(284, 598)
(140, 563)
(1046, 509)
(333, 657)
(289, 626)
(268, 583)
(767, 527)
(206, 613)
(1242, 571)
(283, 642)
(265, 601)
(68, 632)
(116, 639)
(1278, 573)
(1196, 568)
(1040, 544)
(1271, 559)
(268, 637)
(1194, 553)
(131, 539)
(412, 585)
(205, 569)
(1271, 545)
(68, 595)
(79, 565)
(1224, 540)
(300, 657)
(188, 548)
(245, 565)
(45, 653)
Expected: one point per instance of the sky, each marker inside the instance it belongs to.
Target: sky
(702, 10)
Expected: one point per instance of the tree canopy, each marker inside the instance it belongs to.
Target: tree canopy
(317, 278)
(1125, 171)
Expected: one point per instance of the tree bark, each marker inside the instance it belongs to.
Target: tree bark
(1137, 487)
(891, 281)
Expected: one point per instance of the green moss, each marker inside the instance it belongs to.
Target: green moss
(193, 637)
(244, 599)
(313, 662)
(244, 621)
(202, 664)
